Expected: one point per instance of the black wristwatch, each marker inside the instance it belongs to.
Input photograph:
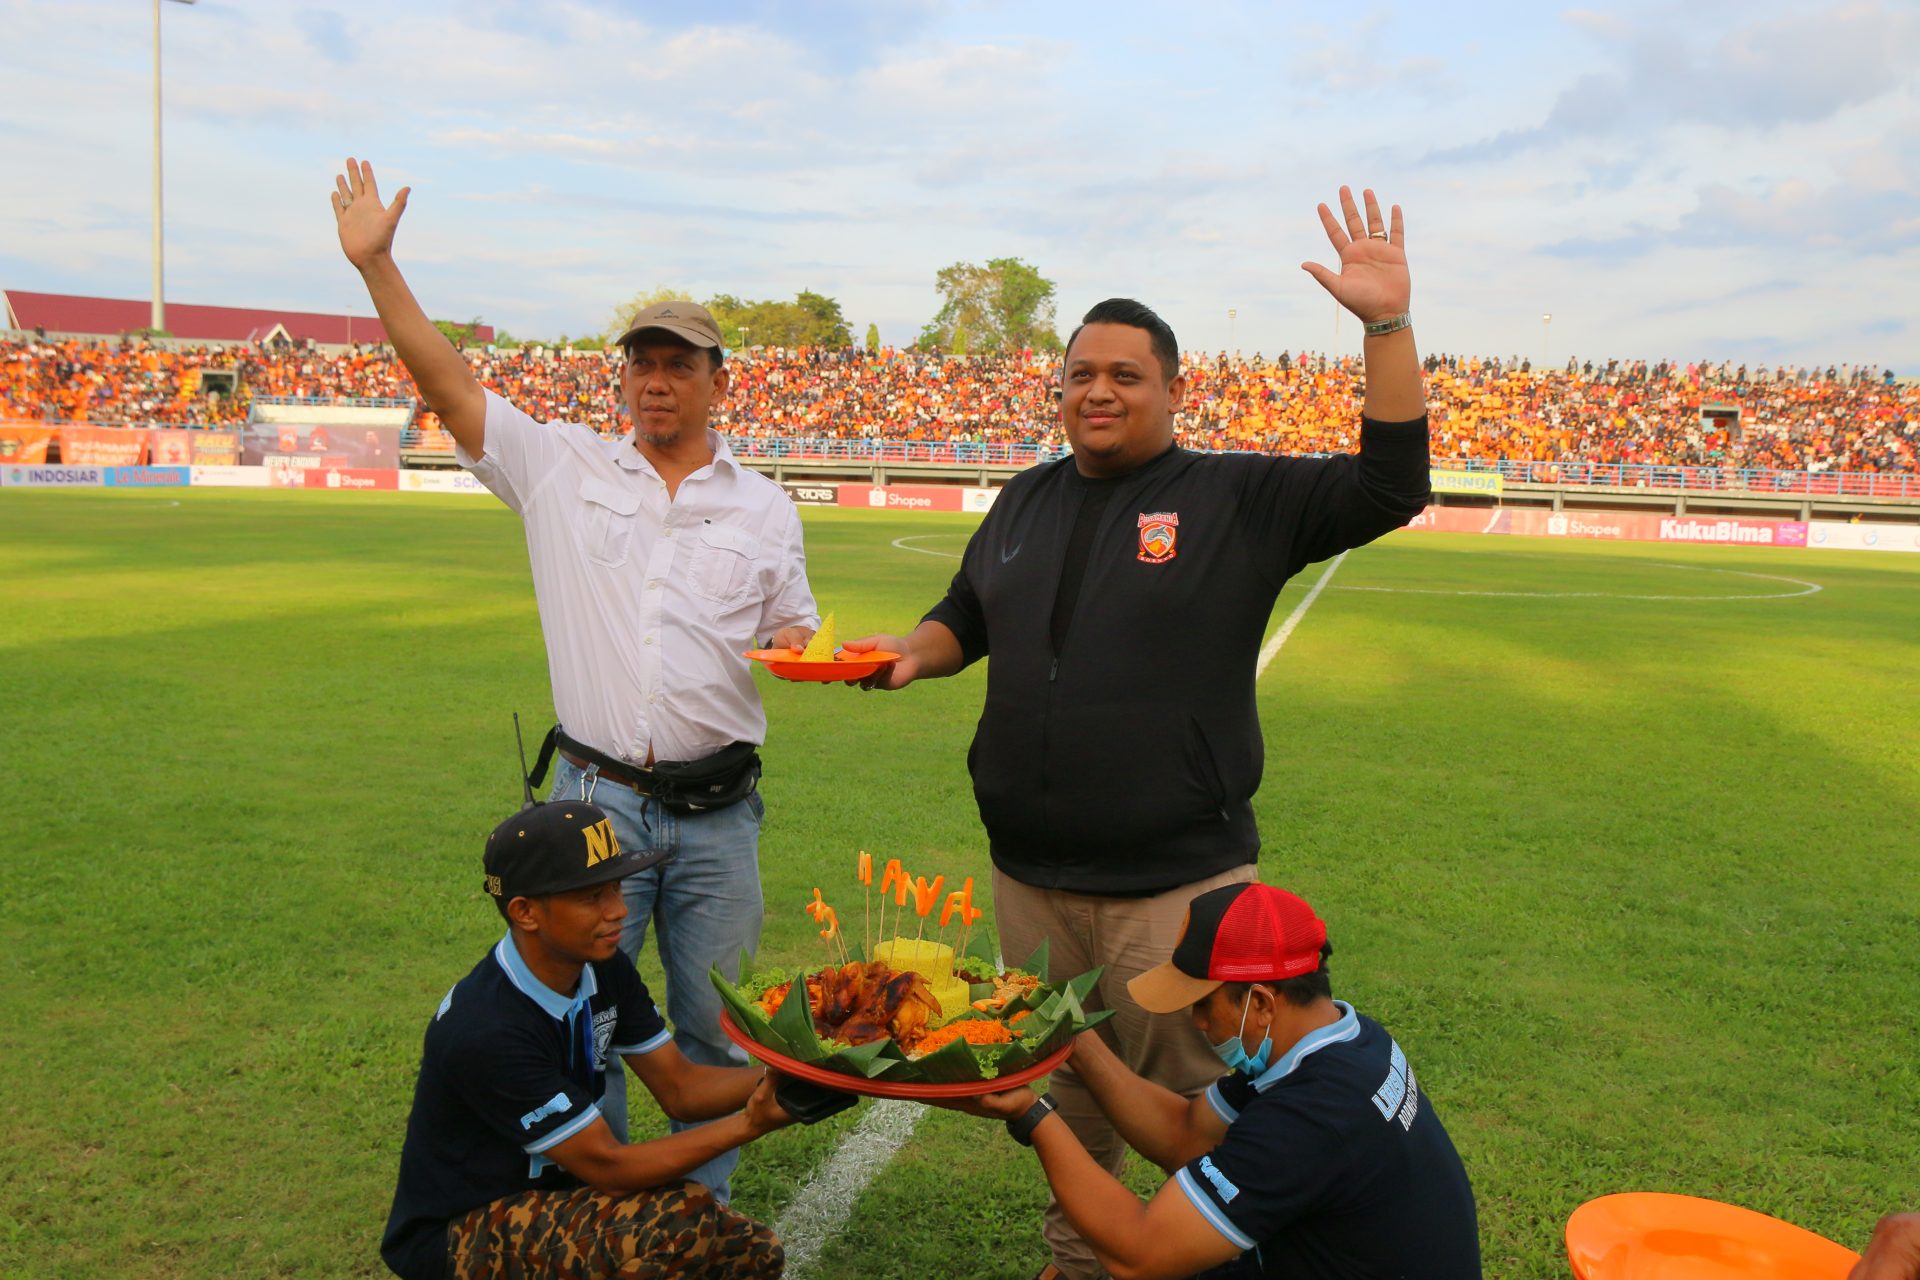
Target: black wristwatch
(1021, 1130)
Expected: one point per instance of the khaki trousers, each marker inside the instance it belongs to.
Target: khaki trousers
(1128, 936)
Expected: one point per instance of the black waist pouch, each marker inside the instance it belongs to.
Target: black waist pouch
(726, 777)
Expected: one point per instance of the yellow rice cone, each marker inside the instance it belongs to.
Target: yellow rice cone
(821, 647)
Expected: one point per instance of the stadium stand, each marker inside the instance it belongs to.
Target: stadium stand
(73, 315)
(1547, 425)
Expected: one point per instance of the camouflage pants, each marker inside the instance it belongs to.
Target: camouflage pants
(678, 1230)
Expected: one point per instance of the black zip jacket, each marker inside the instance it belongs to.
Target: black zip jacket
(1126, 762)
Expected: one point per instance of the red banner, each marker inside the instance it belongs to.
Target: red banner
(903, 497)
(25, 446)
(333, 478)
(175, 447)
(102, 446)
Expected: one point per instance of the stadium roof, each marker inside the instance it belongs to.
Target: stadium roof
(110, 317)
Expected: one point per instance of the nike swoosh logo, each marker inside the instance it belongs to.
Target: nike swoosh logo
(1006, 554)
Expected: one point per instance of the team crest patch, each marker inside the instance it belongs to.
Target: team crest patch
(1159, 530)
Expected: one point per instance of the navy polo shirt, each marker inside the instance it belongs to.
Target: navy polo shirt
(1335, 1166)
(511, 1069)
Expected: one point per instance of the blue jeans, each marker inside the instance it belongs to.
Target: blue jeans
(707, 907)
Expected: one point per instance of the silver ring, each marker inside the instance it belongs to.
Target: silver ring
(1376, 235)
(345, 201)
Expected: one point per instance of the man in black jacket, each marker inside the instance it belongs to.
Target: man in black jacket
(1124, 594)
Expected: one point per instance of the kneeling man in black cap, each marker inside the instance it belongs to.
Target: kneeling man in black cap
(1317, 1156)
(509, 1168)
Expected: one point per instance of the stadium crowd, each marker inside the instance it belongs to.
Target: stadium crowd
(1618, 412)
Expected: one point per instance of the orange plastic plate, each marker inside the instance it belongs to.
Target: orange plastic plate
(787, 664)
(1649, 1235)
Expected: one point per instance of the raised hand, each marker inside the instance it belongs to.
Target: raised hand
(365, 225)
(1372, 281)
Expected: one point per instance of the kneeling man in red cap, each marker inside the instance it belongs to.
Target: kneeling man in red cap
(1316, 1156)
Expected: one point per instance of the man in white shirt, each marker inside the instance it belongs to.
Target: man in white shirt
(657, 559)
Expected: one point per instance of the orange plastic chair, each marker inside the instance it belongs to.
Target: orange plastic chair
(1649, 1235)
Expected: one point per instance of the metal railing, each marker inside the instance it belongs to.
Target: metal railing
(1650, 475)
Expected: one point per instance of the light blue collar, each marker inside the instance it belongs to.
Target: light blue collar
(557, 1006)
(1346, 1029)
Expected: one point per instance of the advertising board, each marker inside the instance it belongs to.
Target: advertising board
(26, 446)
(902, 497)
(146, 477)
(52, 477)
(311, 447)
(227, 477)
(1845, 535)
(178, 447)
(818, 493)
(337, 478)
(1725, 529)
(1449, 481)
(425, 481)
(103, 446)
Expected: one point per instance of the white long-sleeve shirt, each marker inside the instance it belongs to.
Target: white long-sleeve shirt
(647, 603)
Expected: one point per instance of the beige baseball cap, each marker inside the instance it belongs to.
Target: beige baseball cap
(688, 321)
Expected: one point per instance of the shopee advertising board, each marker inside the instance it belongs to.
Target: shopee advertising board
(332, 478)
(903, 497)
(1823, 535)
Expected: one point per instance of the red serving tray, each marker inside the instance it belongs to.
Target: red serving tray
(882, 1088)
(787, 664)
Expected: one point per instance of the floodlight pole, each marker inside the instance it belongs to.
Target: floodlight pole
(158, 320)
(1233, 330)
(1546, 340)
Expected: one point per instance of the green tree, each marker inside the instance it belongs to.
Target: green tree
(623, 314)
(1002, 306)
(957, 342)
(873, 339)
(809, 320)
(459, 334)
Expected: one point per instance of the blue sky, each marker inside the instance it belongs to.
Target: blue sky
(1704, 179)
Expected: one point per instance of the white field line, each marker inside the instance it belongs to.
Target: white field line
(905, 544)
(1272, 647)
(1807, 589)
(823, 1205)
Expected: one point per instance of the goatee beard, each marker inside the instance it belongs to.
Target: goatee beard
(658, 439)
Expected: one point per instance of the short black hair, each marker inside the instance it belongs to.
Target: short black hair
(1299, 992)
(1136, 315)
(714, 354)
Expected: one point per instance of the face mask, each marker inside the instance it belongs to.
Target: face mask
(1233, 1051)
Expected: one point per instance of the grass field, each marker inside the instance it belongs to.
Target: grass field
(1634, 880)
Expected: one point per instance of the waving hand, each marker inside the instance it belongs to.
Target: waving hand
(366, 226)
(1372, 281)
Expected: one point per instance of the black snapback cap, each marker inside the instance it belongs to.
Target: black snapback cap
(555, 847)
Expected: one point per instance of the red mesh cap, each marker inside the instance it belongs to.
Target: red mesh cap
(1265, 934)
(1239, 933)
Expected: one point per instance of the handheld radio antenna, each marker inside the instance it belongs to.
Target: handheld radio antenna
(526, 782)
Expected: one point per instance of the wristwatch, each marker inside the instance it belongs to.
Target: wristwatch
(1392, 324)
(1021, 1130)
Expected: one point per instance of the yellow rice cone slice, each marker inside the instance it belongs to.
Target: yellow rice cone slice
(821, 647)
